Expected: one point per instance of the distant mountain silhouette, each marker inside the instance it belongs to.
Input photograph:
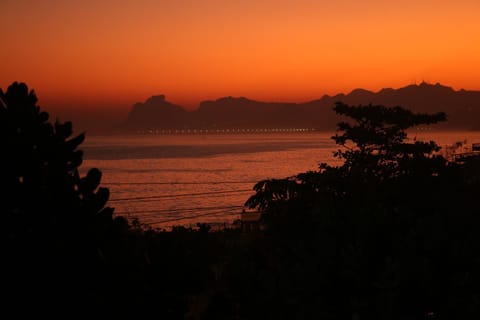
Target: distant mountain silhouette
(462, 108)
(156, 112)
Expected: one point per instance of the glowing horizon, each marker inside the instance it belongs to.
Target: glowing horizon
(111, 54)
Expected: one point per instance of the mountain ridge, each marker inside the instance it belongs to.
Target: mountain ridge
(462, 108)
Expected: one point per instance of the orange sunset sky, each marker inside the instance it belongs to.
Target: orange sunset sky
(94, 54)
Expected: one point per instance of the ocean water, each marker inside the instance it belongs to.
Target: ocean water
(167, 180)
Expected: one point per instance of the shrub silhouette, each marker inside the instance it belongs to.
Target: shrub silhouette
(42, 189)
(54, 221)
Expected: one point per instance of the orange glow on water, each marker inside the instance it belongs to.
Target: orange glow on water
(162, 179)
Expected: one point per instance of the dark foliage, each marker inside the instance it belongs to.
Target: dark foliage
(389, 234)
(392, 233)
(56, 226)
(42, 190)
(63, 250)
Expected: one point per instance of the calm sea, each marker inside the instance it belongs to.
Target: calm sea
(167, 180)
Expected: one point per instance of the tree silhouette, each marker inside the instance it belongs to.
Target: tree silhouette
(42, 189)
(54, 221)
(394, 229)
(378, 135)
(377, 149)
